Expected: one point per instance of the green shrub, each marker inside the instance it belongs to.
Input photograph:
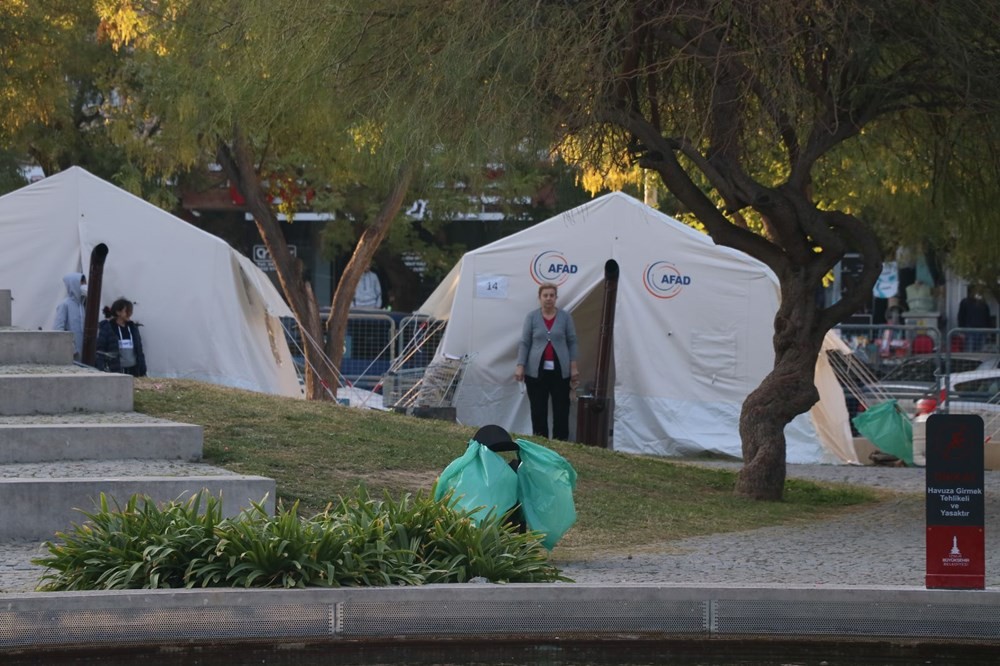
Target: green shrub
(139, 545)
(363, 542)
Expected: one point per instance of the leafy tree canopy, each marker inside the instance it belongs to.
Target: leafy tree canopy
(56, 84)
(796, 132)
(296, 98)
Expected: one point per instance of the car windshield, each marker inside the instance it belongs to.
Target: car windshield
(983, 389)
(914, 370)
(928, 368)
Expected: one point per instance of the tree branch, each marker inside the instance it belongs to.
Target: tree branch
(860, 239)
(662, 159)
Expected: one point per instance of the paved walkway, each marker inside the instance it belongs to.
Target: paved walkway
(868, 548)
(876, 547)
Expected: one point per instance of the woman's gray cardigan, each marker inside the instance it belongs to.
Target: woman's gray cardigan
(534, 335)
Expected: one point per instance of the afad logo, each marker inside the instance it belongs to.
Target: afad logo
(663, 280)
(551, 266)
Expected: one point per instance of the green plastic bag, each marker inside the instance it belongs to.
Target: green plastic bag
(546, 482)
(888, 428)
(482, 481)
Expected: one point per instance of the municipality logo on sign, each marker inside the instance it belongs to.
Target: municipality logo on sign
(551, 266)
(664, 280)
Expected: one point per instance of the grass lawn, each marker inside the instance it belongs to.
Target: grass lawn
(317, 452)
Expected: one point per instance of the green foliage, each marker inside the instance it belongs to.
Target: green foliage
(363, 542)
(886, 111)
(138, 545)
(934, 193)
(62, 85)
(11, 177)
(319, 452)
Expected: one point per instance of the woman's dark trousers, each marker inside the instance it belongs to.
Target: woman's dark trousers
(549, 383)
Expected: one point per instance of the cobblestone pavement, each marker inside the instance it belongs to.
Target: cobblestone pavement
(17, 573)
(881, 546)
(871, 547)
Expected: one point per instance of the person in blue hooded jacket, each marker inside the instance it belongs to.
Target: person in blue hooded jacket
(70, 313)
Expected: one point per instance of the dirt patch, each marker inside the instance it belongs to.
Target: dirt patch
(392, 478)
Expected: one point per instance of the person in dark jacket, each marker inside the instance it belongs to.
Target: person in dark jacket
(546, 363)
(119, 345)
(974, 312)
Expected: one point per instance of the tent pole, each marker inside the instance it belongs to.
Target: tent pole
(92, 310)
(593, 416)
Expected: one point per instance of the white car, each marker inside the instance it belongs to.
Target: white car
(916, 377)
(972, 386)
(976, 392)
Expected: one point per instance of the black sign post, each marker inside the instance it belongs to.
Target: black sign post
(956, 541)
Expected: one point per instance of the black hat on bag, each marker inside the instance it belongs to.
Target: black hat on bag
(495, 438)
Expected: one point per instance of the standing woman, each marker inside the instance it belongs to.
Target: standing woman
(546, 363)
(119, 345)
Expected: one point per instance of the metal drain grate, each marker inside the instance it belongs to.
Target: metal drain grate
(175, 618)
(479, 617)
(856, 619)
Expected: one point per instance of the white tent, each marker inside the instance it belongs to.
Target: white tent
(692, 335)
(208, 312)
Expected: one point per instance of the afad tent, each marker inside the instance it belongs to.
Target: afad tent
(208, 313)
(692, 333)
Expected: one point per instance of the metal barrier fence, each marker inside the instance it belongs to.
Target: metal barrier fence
(961, 372)
(369, 348)
(377, 344)
(882, 350)
(979, 391)
(419, 337)
(974, 340)
(884, 346)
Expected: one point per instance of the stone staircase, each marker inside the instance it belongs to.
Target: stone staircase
(69, 433)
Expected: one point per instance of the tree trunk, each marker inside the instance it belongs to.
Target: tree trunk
(789, 390)
(794, 226)
(238, 163)
(364, 251)
(799, 327)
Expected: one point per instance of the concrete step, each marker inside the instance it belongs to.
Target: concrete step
(48, 347)
(99, 436)
(42, 499)
(62, 389)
